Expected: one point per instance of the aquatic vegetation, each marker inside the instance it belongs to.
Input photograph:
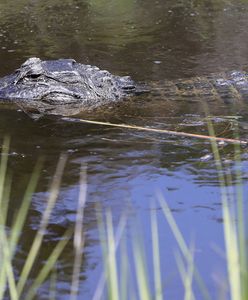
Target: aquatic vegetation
(124, 281)
(234, 224)
(126, 272)
(14, 285)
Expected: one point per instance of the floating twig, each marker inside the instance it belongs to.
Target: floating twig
(170, 132)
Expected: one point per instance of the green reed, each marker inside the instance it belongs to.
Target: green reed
(234, 225)
(125, 274)
(128, 277)
(13, 284)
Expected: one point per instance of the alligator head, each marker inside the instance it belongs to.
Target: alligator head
(64, 82)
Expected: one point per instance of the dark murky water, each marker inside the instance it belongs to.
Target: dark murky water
(149, 40)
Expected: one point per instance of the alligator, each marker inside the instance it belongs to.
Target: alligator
(57, 86)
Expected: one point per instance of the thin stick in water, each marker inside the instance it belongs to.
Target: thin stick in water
(165, 131)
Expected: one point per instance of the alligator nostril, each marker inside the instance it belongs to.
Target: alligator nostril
(33, 76)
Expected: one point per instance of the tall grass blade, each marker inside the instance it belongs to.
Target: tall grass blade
(102, 233)
(4, 207)
(232, 237)
(44, 222)
(4, 195)
(173, 225)
(156, 256)
(112, 277)
(187, 277)
(53, 282)
(231, 252)
(3, 166)
(181, 243)
(241, 224)
(6, 265)
(49, 265)
(78, 235)
(124, 271)
(189, 295)
(3, 219)
(20, 218)
(102, 236)
(141, 270)
(17, 226)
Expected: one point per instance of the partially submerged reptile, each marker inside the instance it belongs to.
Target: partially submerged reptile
(58, 86)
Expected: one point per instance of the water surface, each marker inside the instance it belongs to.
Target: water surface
(151, 41)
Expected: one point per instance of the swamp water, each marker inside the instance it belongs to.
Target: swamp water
(149, 40)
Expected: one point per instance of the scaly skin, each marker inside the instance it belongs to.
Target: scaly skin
(227, 86)
(66, 87)
(64, 81)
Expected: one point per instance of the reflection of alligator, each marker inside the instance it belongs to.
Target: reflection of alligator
(47, 86)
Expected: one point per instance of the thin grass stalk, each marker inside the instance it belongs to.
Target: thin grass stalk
(124, 271)
(141, 274)
(18, 224)
(232, 245)
(102, 236)
(156, 256)
(4, 195)
(232, 238)
(3, 219)
(231, 252)
(3, 166)
(7, 266)
(5, 204)
(241, 224)
(181, 243)
(217, 158)
(102, 233)
(53, 282)
(49, 265)
(230, 229)
(141, 270)
(112, 263)
(17, 227)
(173, 225)
(181, 268)
(187, 277)
(235, 238)
(78, 235)
(189, 295)
(53, 193)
